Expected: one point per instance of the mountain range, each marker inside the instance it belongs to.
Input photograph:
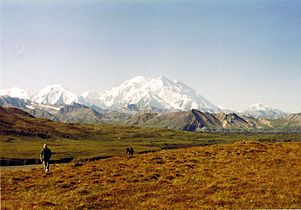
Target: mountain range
(141, 101)
(137, 94)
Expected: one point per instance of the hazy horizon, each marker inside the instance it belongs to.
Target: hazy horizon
(234, 53)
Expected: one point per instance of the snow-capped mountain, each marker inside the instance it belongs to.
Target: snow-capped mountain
(148, 93)
(91, 98)
(7, 101)
(15, 92)
(136, 94)
(263, 111)
(56, 95)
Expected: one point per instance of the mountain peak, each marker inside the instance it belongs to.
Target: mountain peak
(55, 95)
(160, 93)
(16, 92)
(138, 79)
(258, 106)
(260, 110)
(56, 86)
(163, 78)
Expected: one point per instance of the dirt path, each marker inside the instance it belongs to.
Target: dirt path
(15, 168)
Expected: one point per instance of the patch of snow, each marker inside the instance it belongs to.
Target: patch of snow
(16, 92)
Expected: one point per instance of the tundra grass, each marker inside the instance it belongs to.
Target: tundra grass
(104, 140)
(242, 175)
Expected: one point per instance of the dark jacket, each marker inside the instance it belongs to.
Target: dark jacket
(46, 154)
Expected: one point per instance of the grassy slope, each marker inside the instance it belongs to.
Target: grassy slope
(22, 136)
(240, 175)
(95, 140)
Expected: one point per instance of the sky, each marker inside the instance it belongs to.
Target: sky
(233, 52)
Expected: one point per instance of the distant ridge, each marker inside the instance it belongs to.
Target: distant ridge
(259, 110)
(193, 120)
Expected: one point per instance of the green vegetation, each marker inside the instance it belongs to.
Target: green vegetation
(103, 140)
(22, 136)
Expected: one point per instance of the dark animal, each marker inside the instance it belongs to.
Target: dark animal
(129, 151)
(132, 151)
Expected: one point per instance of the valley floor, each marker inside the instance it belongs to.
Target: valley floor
(242, 175)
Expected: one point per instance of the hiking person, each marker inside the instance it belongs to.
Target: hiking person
(45, 157)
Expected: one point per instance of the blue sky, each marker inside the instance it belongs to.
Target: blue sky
(234, 53)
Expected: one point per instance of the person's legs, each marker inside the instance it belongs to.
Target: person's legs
(46, 165)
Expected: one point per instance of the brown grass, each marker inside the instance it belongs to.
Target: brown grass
(242, 175)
